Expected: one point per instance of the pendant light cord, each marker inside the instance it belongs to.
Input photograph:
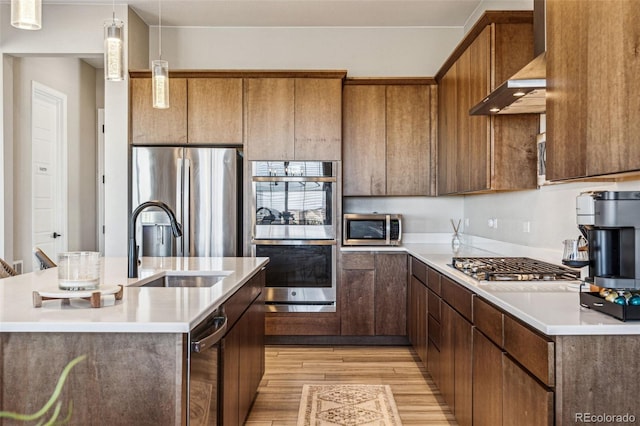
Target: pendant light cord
(160, 28)
(114, 11)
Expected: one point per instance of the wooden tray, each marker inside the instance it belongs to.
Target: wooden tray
(93, 296)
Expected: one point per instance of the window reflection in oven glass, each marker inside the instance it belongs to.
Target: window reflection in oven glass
(297, 265)
(293, 203)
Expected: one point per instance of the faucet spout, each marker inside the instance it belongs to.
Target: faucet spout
(176, 229)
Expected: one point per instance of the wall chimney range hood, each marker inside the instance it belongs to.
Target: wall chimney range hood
(523, 93)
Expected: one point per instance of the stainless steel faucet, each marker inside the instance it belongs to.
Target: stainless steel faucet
(176, 228)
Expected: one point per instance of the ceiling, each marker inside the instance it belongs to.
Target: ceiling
(300, 13)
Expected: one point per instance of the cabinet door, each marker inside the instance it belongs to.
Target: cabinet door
(592, 122)
(447, 132)
(525, 401)
(357, 313)
(463, 402)
(447, 354)
(158, 126)
(417, 318)
(487, 381)
(215, 110)
(269, 118)
(251, 356)
(391, 295)
(318, 119)
(408, 157)
(230, 375)
(477, 127)
(364, 147)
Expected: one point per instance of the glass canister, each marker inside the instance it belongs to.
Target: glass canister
(79, 270)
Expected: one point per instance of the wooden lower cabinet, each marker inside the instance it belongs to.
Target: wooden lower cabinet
(417, 318)
(487, 381)
(242, 362)
(456, 364)
(525, 402)
(373, 294)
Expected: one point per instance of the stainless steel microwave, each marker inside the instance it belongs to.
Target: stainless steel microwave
(376, 229)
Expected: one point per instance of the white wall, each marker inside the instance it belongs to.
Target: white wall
(75, 31)
(363, 52)
(496, 5)
(550, 211)
(77, 80)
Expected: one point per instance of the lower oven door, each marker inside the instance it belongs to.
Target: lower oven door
(203, 382)
(300, 277)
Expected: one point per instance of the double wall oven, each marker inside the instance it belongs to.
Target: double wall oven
(294, 224)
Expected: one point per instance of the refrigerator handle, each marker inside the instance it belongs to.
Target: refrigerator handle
(186, 200)
(179, 207)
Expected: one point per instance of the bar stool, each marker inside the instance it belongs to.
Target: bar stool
(45, 261)
(6, 270)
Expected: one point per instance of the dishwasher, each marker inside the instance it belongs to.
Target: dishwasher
(204, 361)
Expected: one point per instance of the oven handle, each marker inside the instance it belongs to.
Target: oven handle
(294, 179)
(331, 242)
(210, 339)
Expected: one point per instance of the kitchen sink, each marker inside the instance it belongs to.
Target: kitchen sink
(185, 281)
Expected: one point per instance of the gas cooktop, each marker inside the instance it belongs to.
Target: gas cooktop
(512, 269)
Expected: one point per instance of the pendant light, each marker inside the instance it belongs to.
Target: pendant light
(160, 72)
(113, 48)
(26, 14)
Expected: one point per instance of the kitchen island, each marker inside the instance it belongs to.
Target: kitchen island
(517, 353)
(137, 348)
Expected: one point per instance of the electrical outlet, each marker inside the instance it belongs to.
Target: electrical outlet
(466, 222)
(526, 226)
(495, 223)
(17, 266)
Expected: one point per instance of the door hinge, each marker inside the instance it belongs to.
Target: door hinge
(103, 128)
(102, 179)
(103, 229)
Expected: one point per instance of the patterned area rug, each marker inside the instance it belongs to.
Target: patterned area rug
(348, 405)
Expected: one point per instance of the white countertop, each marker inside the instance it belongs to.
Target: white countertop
(551, 307)
(142, 309)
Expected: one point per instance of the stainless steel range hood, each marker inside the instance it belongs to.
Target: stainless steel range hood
(523, 93)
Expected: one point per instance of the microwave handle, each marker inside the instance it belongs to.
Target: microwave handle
(388, 229)
(399, 231)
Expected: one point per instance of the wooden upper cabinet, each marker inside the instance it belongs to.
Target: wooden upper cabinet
(481, 153)
(269, 118)
(214, 110)
(318, 119)
(593, 114)
(364, 148)
(388, 134)
(158, 126)
(293, 118)
(448, 132)
(408, 150)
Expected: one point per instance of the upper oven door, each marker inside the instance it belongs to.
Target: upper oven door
(294, 200)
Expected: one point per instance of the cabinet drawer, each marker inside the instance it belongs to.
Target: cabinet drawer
(433, 331)
(489, 320)
(534, 351)
(358, 261)
(433, 304)
(419, 270)
(433, 280)
(235, 306)
(458, 297)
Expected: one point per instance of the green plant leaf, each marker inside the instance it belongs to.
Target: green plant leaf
(51, 401)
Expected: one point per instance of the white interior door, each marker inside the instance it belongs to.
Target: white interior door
(49, 170)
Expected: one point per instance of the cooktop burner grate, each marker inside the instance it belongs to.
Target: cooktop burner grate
(512, 269)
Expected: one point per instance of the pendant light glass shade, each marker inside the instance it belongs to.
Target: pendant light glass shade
(26, 14)
(160, 83)
(113, 50)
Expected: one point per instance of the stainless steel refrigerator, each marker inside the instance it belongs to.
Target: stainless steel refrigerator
(202, 186)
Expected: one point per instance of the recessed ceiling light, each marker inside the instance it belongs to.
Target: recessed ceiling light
(519, 94)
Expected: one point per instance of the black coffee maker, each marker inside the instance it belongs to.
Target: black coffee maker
(610, 221)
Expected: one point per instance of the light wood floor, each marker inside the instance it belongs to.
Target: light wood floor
(289, 367)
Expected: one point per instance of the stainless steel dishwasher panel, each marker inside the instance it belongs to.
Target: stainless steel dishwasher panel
(204, 362)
